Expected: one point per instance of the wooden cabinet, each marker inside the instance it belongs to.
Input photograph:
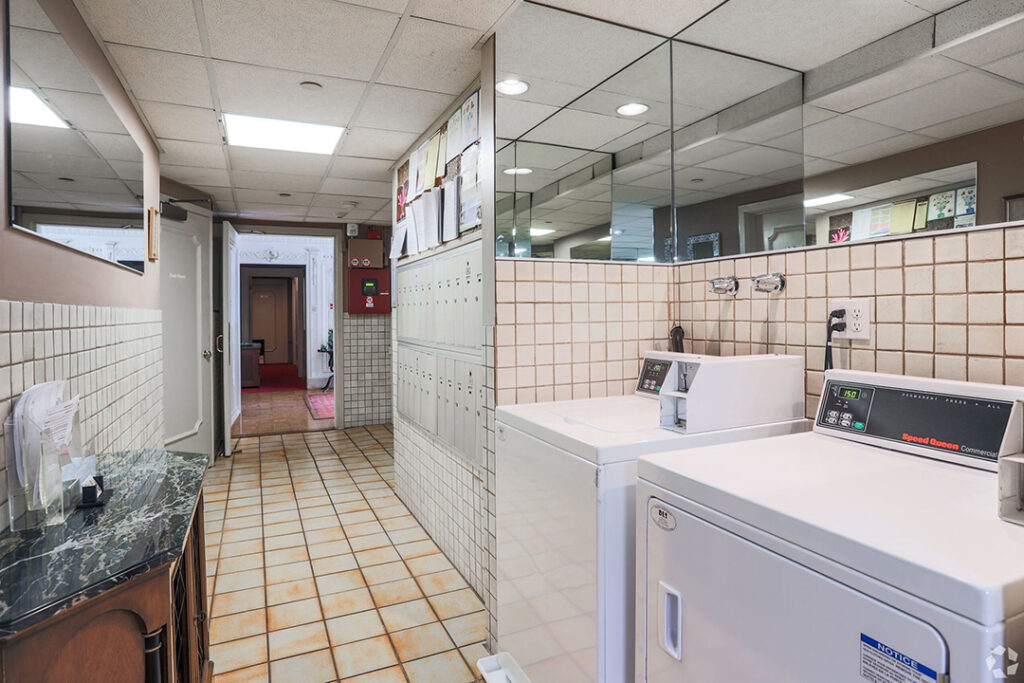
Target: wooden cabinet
(153, 628)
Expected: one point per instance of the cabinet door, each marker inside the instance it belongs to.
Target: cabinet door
(720, 608)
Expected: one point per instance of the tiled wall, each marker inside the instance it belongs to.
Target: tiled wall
(576, 330)
(948, 305)
(112, 358)
(366, 360)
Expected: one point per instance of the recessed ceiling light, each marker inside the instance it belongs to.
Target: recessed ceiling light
(287, 136)
(605, 239)
(537, 232)
(827, 199)
(511, 86)
(310, 85)
(518, 171)
(28, 107)
(632, 109)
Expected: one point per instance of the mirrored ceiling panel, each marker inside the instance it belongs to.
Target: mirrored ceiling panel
(76, 173)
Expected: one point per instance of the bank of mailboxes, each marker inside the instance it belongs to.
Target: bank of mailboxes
(440, 300)
(444, 396)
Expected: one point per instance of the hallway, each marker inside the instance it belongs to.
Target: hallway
(279, 412)
(318, 572)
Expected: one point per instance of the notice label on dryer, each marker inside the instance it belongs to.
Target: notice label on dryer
(880, 663)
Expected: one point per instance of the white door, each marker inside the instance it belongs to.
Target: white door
(186, 298)
(230, 342)
(719, 608)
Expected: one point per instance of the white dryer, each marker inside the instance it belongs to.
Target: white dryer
(870, 549)
(566, 478)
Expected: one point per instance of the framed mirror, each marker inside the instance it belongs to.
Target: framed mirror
(75, 172)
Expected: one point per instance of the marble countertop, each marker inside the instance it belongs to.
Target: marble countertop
(143, 526)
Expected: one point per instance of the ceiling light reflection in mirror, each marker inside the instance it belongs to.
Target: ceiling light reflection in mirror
(75, 172)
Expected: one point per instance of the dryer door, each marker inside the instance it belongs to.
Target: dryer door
(721, 609)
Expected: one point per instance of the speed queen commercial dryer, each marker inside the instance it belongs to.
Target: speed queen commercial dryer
(566, 478)
(870, 549)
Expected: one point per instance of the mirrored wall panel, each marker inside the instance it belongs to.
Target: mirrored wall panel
(76, 174)
(622, 145)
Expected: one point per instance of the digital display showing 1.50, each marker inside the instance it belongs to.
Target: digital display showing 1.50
(852, 394)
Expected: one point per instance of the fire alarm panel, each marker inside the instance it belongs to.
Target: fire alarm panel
(369, 291)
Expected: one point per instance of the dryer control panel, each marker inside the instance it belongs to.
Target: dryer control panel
(959, 424)
(652, 375)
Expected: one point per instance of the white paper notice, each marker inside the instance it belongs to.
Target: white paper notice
(398, 239)
(450, 213)
(431, 226)
(412, 244)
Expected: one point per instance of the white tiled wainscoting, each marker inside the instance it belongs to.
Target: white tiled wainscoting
(366, 364)
(112, 358)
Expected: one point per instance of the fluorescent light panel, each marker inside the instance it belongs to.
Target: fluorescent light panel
(518, 171)
(605, 239)
(286, 136)
(537, 232)
(827, 199)
(28, 107)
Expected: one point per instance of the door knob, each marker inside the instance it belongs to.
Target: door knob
(207, 354)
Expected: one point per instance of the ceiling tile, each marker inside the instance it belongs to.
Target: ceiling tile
(273, 197)
(86, 111)
(183, 153)
(369, 188)
(991, 46)
(26, 138)
(48, 61)
(396, 6)
(581, 129)
(755, 161)
(61, 164)
(381, 144)
(1011, 67)
(221, 194)
(712, 80)
(513, 117)
(656, 16)
(362, 168)
(337, 202)
(281, 182)
(28, 14)
(841, 133)
(477, 14)
(160, 24)
(255, 209)
(892, 82)
(928, 106)
(799, 34)
(164, 76)
(882, 148)
(196, 176)
(995, 116)
(176, 122)
(115, 147)
(313, 36)
(129, 170)
(403, 109)
(274, 161)
(274, 93)
(447, 65)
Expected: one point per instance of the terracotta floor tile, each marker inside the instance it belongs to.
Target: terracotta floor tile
(240, 625)
(236, 581)
(290, 591)
(285, 556)
(428, 564)
(290, 614)
(456, 603)
(395, 591)
(325, 535)
(237, 601)
(421, 641)
(368, 558)
(441, 582)
(353, 627)
(369, 542)
(391, 675)
(312, 667)
(474, 653)
(229, 565)
(383, 573)
(340, 582)
(447, 667)
(298, 640)
(469, 628)
(363, 656)
(407, 614)
(338, 604)
(238, 654)
(253, 674)
(289, 572)
(334, 564)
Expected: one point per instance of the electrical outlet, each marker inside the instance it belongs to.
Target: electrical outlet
(858, 318)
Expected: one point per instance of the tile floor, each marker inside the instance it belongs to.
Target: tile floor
(276, 412)
(317, 571)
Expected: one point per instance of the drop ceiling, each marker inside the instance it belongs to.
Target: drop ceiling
(388, 69)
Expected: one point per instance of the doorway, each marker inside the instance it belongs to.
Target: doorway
(286, 314)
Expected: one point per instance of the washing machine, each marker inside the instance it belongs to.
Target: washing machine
(869, 549)
(565, 485)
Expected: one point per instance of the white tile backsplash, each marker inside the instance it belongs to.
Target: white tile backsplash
(111, 357)
(366, 359)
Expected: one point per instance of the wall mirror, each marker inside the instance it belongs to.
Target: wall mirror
(718, 153)
(75, 172)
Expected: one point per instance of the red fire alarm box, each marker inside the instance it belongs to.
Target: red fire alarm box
(369, 290)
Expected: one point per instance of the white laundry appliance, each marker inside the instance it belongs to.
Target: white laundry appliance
(870, 549)
(566, 479)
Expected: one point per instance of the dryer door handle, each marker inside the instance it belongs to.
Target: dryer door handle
(670, 620)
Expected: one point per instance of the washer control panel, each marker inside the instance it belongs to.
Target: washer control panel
(965, 425)
(652, 375)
